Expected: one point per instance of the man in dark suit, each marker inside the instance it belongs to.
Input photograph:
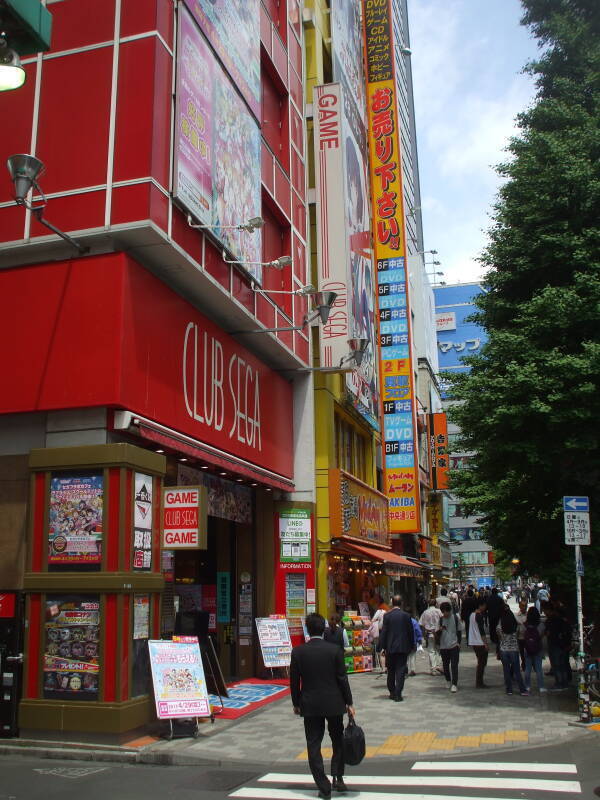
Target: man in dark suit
(320, 691)
(397, 639)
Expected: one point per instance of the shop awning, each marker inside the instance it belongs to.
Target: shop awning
(180, 443)
(380, 554)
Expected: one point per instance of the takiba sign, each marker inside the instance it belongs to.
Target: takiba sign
(184, 518)
(397, 390)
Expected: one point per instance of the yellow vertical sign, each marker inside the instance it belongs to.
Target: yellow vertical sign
(401, 468)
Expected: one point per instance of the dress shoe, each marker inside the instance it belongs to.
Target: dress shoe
(398, 698)
(339, 785)
(324, 795)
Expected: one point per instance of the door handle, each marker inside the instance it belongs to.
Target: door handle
(18, 658)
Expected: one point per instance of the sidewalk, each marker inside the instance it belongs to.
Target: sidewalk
(430, 720)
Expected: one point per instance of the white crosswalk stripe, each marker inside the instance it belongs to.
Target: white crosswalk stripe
(299, 786)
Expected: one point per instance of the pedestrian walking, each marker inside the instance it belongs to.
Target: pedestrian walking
(412, 656)
(336, 633)
(509, 650)
(559, 637)
(377, 622)
(542, 596)
(478, 641)
(396, 641)
(521, 616)
(495, 604)
(430, 622)
(321, 692)
(467, 607)
(534, 651)
(450, 637)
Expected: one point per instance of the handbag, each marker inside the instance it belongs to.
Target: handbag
(354, 743)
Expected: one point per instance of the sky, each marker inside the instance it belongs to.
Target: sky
(467, 58)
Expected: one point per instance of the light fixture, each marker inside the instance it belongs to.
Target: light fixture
(204, 466)
(323, 302)
(12, 74)
(278, 263)
(358, 348)
(422, 252)
(24, 170)
(404, 50)
(254, 484)
(239, 480)
(160, 451)
(304, 291)
(222, 473)
(268, 489)
(183, 459)
(254, 223)
(347, 363)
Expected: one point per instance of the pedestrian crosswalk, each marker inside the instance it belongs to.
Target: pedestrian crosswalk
(433, 780)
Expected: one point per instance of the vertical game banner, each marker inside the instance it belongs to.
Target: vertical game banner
(362, 383)
(397, 389)
(332, 242)
(142, 522)
(75, 522)
(217, 142)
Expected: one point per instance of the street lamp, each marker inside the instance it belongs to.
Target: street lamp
(253, 224)
(24, 170)
(323, 304)
(12, 74)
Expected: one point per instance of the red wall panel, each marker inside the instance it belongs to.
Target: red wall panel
(16, 136)
(130, 203)
(139, 16)
(74, 118)
(77, 23)
(161, 121)
(73, 212)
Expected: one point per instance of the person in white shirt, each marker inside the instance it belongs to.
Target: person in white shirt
(430, 622)
(478, 641)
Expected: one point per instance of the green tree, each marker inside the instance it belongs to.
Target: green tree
(530, 405)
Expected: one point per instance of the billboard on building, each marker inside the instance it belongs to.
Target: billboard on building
(363, 383)
(397, 382)
(437, 425)
(217, 148)
(232, 28)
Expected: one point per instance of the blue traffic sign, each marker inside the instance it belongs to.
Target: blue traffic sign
(576, 504)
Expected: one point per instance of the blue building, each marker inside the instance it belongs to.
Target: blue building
(457, 338)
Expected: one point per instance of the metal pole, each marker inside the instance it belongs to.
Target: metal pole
(584, 696)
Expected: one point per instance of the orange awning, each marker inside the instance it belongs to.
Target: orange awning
(380, 554)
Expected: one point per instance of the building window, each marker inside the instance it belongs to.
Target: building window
(350, 449)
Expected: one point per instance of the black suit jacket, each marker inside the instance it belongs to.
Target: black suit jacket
(318, 679)
(397, 635)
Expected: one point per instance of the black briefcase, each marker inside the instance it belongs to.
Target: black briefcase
(354, 743)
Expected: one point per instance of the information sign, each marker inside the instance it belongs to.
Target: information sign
(178, 676)
(294, 535)
(275, 641)
(577, 527)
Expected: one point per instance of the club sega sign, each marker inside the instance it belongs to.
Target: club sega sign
(184, 518)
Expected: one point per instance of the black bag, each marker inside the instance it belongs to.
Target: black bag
(354, 743)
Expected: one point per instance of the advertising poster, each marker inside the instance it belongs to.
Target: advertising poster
(178, 678)
(357, 509)
(217, 151)
(71, 650)
(226, 499)
(141, 616)
(295, 603)
(275, 641)
(142, 522)
(397, 390)
(295, 533)
(75, 521)
(232, 28)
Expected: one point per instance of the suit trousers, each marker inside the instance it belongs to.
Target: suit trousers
(482, 657)
(314, 728)
(396, 672)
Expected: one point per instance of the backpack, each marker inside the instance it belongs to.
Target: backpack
(533, 640)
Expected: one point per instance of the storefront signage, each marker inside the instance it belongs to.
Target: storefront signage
(142, 522)
(71, 654)
(445, 321)
(275, 641)
(401, 456)
(357, 509)
(184, 518)
(223, 597)
(435, 518)
(178, 678)
(217, 145)
(75, 520)
(152, 362)
(295, 532)
(438, 449)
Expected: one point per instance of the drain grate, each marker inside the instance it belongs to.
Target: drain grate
(219, 780)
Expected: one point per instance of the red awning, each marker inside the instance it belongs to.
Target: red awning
(217, 458)
(381, 554)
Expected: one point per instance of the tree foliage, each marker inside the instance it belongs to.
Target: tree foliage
(531, 403)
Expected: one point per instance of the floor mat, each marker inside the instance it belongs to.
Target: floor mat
(247, 695)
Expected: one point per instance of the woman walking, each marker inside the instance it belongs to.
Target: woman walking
(509, 650)
(532, 638)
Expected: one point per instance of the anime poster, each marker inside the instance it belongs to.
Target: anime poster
(72, 642)
(178, 678)
(346, 34)
(232, 28)
(75, 521)
(217, 156)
